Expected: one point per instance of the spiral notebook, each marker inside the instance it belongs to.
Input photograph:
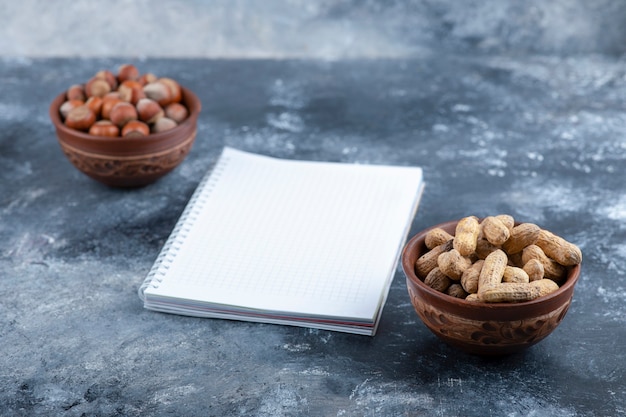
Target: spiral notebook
(304, 243)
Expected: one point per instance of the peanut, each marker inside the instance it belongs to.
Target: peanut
(436, 237)
(515, 259)
(492, 271)
(521, 236)
(469, 279)
(507, 220)
(484, 248)
(510, 292)
(428, 261)
(453, 264)
(559, 249)
(473, 298)
(466, 235)
(551, 268)
(495, 261)
(495, 231)
(437, 280)
(514, 274)
(456, 290)
(534, 269)
(546, 286)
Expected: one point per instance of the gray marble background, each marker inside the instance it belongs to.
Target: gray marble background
(327, 29)
(512, 106)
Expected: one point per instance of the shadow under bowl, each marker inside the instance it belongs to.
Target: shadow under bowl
(483, 328)
(128, 162)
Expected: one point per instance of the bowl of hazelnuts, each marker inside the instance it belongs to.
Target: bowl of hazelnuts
(126, 129)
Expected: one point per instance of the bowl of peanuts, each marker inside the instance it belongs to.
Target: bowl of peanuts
(125, 128)
(490, 286)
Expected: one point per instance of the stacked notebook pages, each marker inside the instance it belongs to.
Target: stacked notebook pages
(303, 243)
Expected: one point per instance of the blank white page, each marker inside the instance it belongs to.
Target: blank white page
(296, 237)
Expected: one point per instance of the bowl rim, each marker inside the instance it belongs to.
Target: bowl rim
(417, 240)
(190, 99)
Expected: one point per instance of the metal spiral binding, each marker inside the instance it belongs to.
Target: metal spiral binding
(183, 226)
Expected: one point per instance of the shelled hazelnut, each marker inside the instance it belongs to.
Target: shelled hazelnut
(97, 87)
(149, 110)
(127, 72)
(104, 128)
(163, 124)
(147, 78)
(76, 92)
(70, 104)
(123, 113)
(80, 118)
(127, 104)
(135, 128)
(176, 111)
(95, 104)
(108, 101)
(158, 92)
(131, 91)
(109, 77)
(176, 94)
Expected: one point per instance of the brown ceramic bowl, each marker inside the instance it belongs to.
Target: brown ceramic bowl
(484, 328)
(128, 162)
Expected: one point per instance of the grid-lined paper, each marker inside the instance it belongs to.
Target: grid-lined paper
(293, 238)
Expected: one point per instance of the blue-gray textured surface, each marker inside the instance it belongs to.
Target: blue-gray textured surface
(327, 29)
(510, 107)
(541, 138)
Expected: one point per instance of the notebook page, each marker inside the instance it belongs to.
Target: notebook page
(306, 238)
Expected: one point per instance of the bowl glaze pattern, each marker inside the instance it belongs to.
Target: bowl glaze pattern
(484, 328)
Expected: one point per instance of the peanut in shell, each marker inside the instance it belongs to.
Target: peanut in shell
(453, 264)
(495, 231)
(436, 237)
(559, 249)
(437, 280)
(466, 235)
(469, 279)
(425, 263)
(551, 268)
(515, 274)
(492, 271)
(522, 235)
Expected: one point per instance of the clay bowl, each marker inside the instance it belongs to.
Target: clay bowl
(128, 162)
(484, 328)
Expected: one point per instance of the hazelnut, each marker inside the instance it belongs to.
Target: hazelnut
(176, 111)
(108, 101)
(95, 104)
(158, 92)
(135, 128)
(104, 128)
(127, 72)
(97, 87)
(68, 105)
(112, 94)
(163, 124)
(176, 94)
(80, 118)
(122, 113)
(76, 92)
(147, 78)
(131, 91)
(149, 110)
(109, 77)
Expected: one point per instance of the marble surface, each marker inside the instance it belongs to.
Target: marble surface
(325, 29)
(540, 137)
